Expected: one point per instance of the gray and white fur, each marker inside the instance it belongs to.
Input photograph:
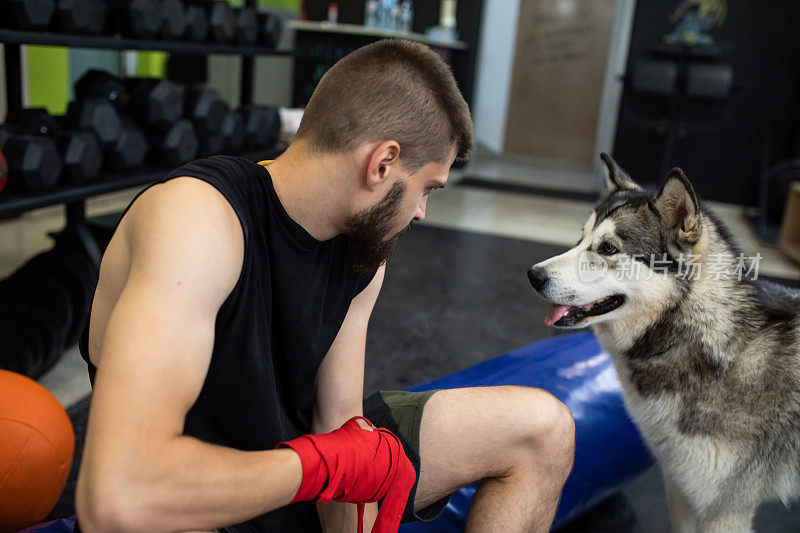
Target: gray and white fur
(709, 364)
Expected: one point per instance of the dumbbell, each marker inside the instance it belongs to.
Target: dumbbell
(270, 28)
(174, 19)
(80, 154)
(246, 25)
(196, 23)
(262, 126)
(177, 145)
(27, 14)
(205, 108)
(79, 149)
(232, 132)
(33, 164)
(30, 121)
(101, 84)
(130, 149)
(221, 20)
(155, 103)
(97, 115)
(123, 143)
(136, 18)
(80, 16)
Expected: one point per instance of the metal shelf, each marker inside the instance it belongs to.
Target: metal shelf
(124, 43)
(11, 204)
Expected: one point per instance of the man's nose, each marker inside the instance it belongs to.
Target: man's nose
(538, 277)
(420, 214)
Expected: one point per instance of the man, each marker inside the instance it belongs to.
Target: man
(231, 315)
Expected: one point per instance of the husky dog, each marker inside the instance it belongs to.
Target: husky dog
(709, 362)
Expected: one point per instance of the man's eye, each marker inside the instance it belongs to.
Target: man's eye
(606, 248)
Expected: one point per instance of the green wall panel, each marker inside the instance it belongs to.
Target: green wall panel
(48, 78)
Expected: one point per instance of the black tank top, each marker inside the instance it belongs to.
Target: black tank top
(272, 331)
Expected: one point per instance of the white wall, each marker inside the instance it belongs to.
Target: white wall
(493, 72)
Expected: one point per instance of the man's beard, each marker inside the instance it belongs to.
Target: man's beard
(367, 230)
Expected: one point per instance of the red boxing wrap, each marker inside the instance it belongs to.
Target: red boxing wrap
(360, 466)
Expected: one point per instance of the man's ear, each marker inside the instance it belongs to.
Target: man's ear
(678, 205)
(616, 178)
(383, 160)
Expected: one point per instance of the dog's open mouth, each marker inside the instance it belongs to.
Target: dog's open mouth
(569, 315)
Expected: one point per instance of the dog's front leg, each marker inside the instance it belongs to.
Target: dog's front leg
(681, 516)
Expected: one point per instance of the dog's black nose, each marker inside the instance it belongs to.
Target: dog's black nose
(538, 278)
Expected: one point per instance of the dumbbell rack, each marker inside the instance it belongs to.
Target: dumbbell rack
(74, 197)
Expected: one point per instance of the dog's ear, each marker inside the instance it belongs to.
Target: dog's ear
(616, 178)
(678, 205)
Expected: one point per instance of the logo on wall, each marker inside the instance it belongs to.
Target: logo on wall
(692, 19)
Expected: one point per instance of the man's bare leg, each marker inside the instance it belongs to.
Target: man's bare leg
(518, 441)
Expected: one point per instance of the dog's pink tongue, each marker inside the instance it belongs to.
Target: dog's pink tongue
(554, 314)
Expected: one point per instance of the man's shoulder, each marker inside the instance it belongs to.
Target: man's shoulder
(185, 203)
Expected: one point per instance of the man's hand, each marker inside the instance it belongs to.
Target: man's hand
(356, 463)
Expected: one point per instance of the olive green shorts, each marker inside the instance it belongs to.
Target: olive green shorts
(400, 412)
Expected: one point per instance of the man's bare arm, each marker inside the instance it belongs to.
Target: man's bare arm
(340, 394)
(139, 472)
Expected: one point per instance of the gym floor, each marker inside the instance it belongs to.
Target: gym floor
(455, 294)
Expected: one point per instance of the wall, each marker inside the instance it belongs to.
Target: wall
(762, 41)
(493, 75)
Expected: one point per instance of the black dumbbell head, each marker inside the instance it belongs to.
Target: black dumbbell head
(155, 103)
(246, 27)
(101, 84)
(196, 23)
(33, 164)
(98, 115)
(27, 14)
(178, 145)
(174, 19)
(270, 28)
(31, 121)
(233, 132)
(130, 150)
(205, 108)
(80, 16)
(137, 18)
(262, 126)
(80, 155)
(221, 21)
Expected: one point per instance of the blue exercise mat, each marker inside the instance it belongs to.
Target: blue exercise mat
(574, 368)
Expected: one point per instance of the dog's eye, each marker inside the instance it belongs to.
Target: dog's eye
(606, 248)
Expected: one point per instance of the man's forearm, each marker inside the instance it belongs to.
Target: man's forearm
(187, 484)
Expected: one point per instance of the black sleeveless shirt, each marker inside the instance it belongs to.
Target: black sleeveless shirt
(273, 330)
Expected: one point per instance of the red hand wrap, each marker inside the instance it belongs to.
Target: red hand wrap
(360, 466)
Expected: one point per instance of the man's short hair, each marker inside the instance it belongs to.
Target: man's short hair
(390, 90)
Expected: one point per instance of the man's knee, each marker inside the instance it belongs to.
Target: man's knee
(548, 431)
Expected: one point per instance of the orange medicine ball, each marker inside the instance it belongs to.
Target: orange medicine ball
(36, 446)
